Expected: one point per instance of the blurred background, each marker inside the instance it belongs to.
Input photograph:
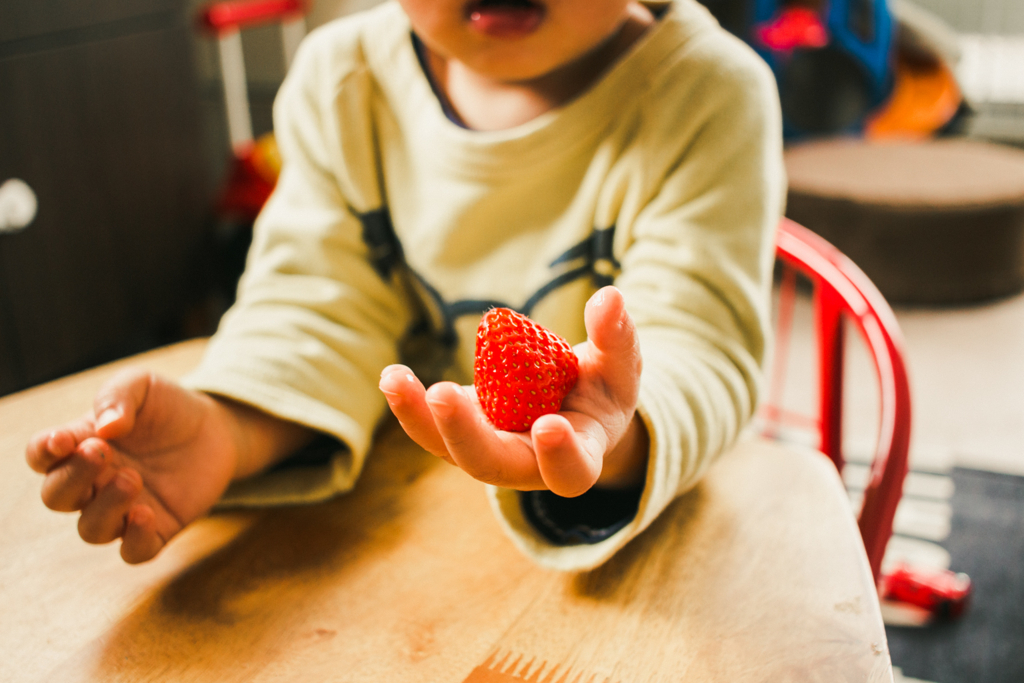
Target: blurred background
(113, 118)
(126, 201)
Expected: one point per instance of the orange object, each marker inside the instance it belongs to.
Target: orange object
(266, 158)
(924, 98)
(248, 185)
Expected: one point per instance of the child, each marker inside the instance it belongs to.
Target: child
(442, 157)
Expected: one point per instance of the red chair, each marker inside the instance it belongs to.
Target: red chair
(841, 293)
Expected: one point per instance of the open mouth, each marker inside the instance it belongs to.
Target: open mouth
(489, 4)
(505, 18)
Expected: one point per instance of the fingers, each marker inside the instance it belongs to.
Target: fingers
(141, 540)
(108, 498)
(569, 461)
(491, 456)
(406, 397)
(113, 416)
(614, 345)
(105, 518)
(73, 483)
(46, 449)
(119, 400)
(558, 455)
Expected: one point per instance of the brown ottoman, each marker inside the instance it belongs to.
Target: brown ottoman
(936, 222)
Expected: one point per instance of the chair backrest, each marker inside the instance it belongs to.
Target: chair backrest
(841, 293)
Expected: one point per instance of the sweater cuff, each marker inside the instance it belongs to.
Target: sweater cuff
(584, 520)
(317, 453)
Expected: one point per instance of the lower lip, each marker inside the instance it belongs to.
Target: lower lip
(506, 22)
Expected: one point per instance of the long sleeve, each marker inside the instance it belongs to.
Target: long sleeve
(316, 317)
(696, 280)
(695, 273)
(665, 177)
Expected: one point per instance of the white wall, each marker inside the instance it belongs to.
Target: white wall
(979, 16)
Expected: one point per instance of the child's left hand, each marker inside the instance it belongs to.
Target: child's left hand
(596, 438)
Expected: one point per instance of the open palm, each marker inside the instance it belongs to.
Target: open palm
(597, 437)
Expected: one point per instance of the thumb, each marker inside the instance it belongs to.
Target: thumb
(118, 401)
(615, 347)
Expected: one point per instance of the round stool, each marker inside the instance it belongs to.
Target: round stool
(936, 222)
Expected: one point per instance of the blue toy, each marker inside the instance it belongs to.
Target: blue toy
(828, 86)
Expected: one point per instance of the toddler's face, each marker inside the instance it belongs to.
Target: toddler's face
(514, 40)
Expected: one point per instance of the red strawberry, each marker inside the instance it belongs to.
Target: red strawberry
(522, 370)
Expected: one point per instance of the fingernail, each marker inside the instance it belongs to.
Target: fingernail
(52, 445)
(550, 437)
(598, 298)
(136, 512)
(393, 399)
(440, 408)
(97, 449)
(107, 416)
(125, 482)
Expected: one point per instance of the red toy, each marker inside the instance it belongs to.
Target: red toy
(255, 164)
(522, 370)
(794, 27)
(942, 594)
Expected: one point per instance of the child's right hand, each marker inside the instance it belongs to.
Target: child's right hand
(149, 458)
(597, 438)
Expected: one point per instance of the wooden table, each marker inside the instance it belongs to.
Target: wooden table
(756, 575)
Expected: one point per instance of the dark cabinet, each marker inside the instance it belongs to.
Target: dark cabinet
(99, 115)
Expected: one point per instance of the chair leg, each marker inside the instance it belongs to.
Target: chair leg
(831, 349)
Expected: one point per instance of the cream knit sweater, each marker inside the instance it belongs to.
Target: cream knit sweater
(665, 178)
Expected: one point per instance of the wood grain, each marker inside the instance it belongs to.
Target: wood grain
(756, 575)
